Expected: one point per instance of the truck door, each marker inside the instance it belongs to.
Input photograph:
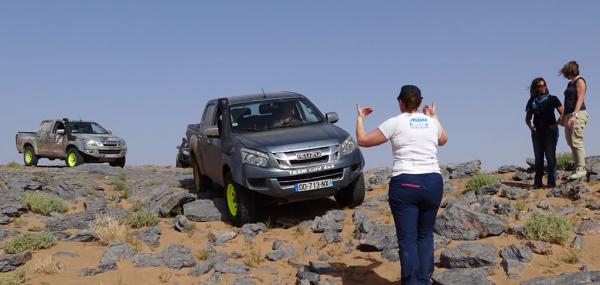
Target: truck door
(43, 138)
(58, 140)
(211, 148)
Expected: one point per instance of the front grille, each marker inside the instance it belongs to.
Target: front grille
(289, 159)
(110, 143)
(109, 151)
(334, 174)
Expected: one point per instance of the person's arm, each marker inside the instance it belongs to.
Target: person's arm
(431, 111)
(363, 138)
(561, 111)
(528, 121)
(580, 84)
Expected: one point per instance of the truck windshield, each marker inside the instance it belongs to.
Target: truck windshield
(273, 114)
(86, 128)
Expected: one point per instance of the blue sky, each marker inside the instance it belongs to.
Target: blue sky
(144, 69)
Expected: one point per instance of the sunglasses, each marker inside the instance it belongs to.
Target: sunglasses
(540, 85)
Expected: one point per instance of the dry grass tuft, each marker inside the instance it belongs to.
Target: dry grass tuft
(46, 265)
(15, 278)
(253, 259)
(165, 276)
(107, 228)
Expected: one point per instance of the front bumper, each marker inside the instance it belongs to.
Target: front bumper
(105, 154)
(279, 183)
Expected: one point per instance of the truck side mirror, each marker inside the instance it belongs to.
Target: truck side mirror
(212, 132)
(60, 131)
(332, 117)
(110, 132)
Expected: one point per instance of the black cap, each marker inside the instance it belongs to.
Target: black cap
(409, 90)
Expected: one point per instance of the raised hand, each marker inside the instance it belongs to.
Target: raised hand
(363, 111)
(430, 110)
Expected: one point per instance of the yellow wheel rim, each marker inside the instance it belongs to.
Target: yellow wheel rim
(28, 156)
(231, 199)
(71, 159)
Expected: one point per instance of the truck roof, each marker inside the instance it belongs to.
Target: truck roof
(62, 120)
(261, 96)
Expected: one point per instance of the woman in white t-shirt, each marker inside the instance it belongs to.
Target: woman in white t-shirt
(416, 187)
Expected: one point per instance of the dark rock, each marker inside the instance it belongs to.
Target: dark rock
(82, 236)
(509, 168)
(505, 209)
(204, 210)
(7, 233)
(540, 247)
(149, 236)
(522, 176)
(164, 200)
(219, 237)
(521, 254)
(173, 257)
(577, 242)
(320, 267)
(249, 231)
(326, 223)
(593, 205)
(378, 176)
(593, 178)
(544, 204)
(588, 227)
(305, 274)
(513, 193)
(331, 237)
(241, 280)
(574, 278)
(464, 170)
(280, 251)
(440, 241)
(11, 262)
(462, 223)
(215, 278)
(592, 164)
(65, 254)
(182, 224)
(115, 251)
(469, 255)
(489, 189)
(448, 187)
(391, 254)
(571, 190)
(461, 276)
(232, 268)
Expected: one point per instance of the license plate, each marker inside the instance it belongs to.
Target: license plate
(307, 186)
(308, 155)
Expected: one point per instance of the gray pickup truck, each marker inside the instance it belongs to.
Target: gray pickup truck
(76, 142)
(274, 148)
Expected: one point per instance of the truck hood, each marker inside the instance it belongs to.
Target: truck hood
(97, 137)
(290, 139)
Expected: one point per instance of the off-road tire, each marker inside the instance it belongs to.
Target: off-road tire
(29, 157)
(353, 195)
(241, 203)
(201, 182)
(118, 162)
(74, 158)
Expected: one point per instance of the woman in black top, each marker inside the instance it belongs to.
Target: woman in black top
(576, 116)
(544, 130)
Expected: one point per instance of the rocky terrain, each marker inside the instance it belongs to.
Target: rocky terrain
(142, 225)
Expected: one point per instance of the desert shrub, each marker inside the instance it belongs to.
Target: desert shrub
(564, 161)
(35, 241)
(253, 259)
(549, 227)
(44, 204)
(121, 185)
(15, 278)
(521, 205)
(107, 228)
(480, 179)
(13, 164)
(141, 218)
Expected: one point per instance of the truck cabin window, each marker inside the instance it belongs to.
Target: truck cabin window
(273, 114)
(86, 128)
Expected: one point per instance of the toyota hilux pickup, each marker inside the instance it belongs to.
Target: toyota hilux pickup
(273, 148)
(76, 142)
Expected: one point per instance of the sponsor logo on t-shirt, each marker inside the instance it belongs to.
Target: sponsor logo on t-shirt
(419, 123)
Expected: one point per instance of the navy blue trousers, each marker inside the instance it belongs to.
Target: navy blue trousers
(414, 200)
(544, 144)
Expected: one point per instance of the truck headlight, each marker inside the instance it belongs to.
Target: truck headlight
(347, 147)
(254, 157)
(122, 143)
(93, 143)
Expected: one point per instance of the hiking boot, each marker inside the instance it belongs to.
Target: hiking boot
(579, 173)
